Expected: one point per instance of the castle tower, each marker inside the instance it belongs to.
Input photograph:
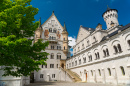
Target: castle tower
(111, 18)
(65, 47)
(38, 32)
(65, 40)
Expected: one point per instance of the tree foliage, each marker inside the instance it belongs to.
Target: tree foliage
(17, 54)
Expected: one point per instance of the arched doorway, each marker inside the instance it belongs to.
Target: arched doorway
(62, 65)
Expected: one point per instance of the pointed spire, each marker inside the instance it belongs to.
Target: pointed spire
(53, 12)
(40, 22)
(108, 8)
(65, 27)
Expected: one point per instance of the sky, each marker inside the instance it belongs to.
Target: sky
(87, 13)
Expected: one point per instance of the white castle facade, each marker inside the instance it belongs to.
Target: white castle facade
(103, 56)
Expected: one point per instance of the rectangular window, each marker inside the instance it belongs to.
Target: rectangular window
(53, 75)
(41, 75)
(42, 66)
(57, 65)
(51, 65)
(45, 66)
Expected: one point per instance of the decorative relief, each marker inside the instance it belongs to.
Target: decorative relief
(58, 34)
(46, 33)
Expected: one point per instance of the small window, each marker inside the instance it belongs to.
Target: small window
(128, 42)
(51, 65)
(109, 71)
(94, 39)
(107, 52)
(92, 72)
(95, 56)
(75, 63)
(46, 66)
(72, 64)
(104, 53)
(64, 47)
(99, 72)
(122, 70)
(98, 56)
(57, 65)
(42, 66)
(88, 42)
(115, 48)
(79, 61)
(52, 56)
(41, 75)
(119, 48)
(84, 60)
(64, 39)
(53, 75)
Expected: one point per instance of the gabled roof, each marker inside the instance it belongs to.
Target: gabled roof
(86, 29)
(56, 19)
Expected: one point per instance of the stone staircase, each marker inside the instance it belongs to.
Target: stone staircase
(75, 76)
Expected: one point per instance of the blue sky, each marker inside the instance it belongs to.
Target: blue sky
(81, 12)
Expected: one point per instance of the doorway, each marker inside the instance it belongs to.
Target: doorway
(62, 65)
(32, 78)
(86, 76)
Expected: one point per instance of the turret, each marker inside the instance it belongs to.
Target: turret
(38, 31)
(65, 40)
(111, 18)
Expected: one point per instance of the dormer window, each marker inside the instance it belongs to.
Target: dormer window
(87, 42)
(94, 39)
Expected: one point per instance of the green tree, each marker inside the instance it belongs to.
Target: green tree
(17, 54)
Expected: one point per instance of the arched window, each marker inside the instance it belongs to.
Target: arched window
(107, 52)
(99, 72)
(84, 60)
(98, 55)
(64, 39)
(95, 56)
(75, 63)
(79, 61)
(109, 71)
(119, 48)
(64, 47)
(58, 56)
(104, 52)
(52, 55)
(128, 42)
(115, 48)
(122, 70)
(92, 72)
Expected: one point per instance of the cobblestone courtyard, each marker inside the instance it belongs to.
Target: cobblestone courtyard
(67, 84)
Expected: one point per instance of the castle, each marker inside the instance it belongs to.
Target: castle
(99, 56)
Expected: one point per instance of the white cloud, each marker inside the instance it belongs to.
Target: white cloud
(72, 41)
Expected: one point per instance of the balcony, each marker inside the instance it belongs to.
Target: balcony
(53, 41)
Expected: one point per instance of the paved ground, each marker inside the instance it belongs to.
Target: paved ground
(67, 84)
